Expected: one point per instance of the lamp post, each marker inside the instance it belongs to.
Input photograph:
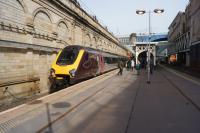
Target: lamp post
(141, 12)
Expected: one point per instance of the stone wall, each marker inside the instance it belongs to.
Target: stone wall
(33, 31)
(176, 28)
(195, 20)
(194, 14)
(184, 34)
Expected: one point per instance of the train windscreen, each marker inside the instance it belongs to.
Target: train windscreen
(67, 56)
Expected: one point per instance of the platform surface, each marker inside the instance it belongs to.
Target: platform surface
(114, 104)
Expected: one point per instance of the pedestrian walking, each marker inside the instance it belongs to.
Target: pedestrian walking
(138, 68)
(151, 66)
(145, 65)
(120, 66)
(128, 65)
(132, 64)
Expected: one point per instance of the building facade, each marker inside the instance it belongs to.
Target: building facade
(184, 36)
(31, 34)
(194, 26)
(178, 38)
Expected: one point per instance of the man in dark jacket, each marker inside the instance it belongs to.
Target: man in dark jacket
(120, 66)
(151, 66)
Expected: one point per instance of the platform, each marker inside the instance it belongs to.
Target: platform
(114, 104)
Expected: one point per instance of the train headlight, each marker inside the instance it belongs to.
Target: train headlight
(72, 72)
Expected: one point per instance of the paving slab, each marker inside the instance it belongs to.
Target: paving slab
(161, 108)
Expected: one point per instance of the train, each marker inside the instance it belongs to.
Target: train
(75, 63)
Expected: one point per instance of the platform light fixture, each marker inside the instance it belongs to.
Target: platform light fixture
(158, 11)
(141, 12)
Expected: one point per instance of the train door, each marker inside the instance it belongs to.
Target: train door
(86, 65)
(94, 58)
(82, 71)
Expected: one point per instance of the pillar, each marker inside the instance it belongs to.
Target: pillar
(187, 59)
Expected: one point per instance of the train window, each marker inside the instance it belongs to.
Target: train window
(67, 56)
(114, 60)
(108, 60)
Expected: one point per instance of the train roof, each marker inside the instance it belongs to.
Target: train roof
(92, 50)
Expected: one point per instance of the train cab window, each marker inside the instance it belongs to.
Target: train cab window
(67, 56)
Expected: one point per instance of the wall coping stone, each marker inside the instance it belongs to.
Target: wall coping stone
(20, 45)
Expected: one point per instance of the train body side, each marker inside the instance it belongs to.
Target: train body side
(75, 63)
(88, 66)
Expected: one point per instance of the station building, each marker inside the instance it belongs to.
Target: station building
(31, 34)
(184, 36)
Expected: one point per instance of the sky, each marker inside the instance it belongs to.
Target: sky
(121, 19)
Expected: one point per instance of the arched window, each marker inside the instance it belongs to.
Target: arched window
(63, 31)
(87, 40)
(42, 22)
(12, 12)
(94, 41)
